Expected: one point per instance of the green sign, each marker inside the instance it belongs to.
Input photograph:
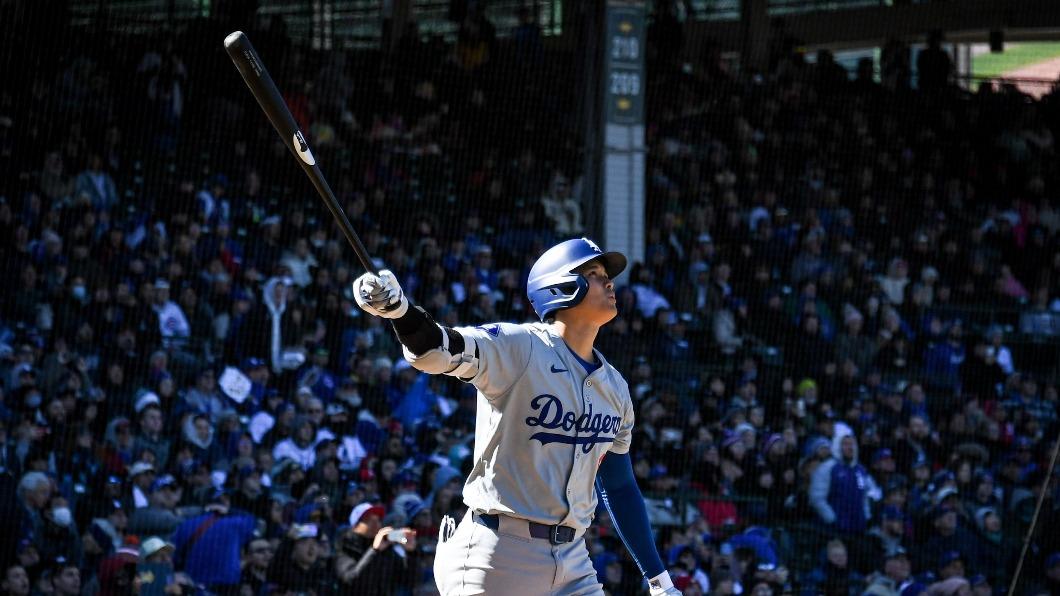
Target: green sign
(625, 80)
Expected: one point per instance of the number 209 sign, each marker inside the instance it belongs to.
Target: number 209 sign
(625, 66)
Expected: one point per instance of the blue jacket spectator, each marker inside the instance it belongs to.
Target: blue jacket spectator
(840, 487)
(209, 546)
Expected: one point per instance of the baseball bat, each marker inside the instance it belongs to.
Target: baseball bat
(260, 83)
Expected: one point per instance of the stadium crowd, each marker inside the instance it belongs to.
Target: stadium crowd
(841, 341)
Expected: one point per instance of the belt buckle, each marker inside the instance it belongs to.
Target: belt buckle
(554, 534)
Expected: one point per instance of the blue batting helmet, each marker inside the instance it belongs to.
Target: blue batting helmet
(553, 284)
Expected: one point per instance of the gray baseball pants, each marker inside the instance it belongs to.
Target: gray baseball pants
(508, 562)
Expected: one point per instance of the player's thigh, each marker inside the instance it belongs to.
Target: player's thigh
(477, 560)
(579, 575)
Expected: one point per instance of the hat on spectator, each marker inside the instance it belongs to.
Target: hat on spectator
(881, 454)
(365, 509)
(897, 552)
(940, 511)
(252, 362)
(307, 513)
(770, 441)
(148, 398)
(804, 386)
(945, 493)
(892, 512)
(981, 513)
(949, 557)
(335, 409)
(153, 545)
(815, 445)
(302, 531)
(140, 467)
(164, 481)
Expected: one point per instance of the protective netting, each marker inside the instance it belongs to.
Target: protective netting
(841, 343)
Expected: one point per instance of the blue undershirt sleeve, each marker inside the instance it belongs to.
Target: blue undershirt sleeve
(619, 493)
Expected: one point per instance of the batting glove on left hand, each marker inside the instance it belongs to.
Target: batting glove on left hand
(380, 295)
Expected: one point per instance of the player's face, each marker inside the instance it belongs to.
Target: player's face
(599, 305)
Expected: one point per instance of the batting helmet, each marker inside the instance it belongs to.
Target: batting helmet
(553, 284)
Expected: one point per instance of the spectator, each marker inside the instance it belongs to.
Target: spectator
(258, 555)
(94, 186)
(834, 577)
(948, 544)
(933, 64)
(894, 576)
(65, 578)
(368, 561)
(160, 516)
(105, 534)
(150, 438)
(840, 488)
(16, 581)
(298, 566)
(208, 546)
(156, 557)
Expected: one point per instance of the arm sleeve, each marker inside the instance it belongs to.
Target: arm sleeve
(619, 493)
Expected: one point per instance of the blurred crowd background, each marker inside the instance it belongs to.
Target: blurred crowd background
(841, 342)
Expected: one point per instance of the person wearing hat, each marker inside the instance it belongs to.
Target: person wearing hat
(65, 578)
(368, 562)
(172, 322)
(887, 537)
(155, 566)
(298, 565)
(947, 540)
(840, 488)
(995, 550)
(142, 475)
(105, 534)
(160, 516)
(892, 577)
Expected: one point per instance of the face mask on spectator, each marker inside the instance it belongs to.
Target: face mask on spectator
(79, 292)
(62, 516)
(32, 400)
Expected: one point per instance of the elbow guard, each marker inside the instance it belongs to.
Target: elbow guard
(456, 357)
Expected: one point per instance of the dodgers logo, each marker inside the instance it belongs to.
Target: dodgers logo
(591, 428)
(494, 330)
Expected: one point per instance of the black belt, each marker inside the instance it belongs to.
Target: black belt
(554, 534)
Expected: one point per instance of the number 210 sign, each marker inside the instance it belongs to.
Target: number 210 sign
(625, 65)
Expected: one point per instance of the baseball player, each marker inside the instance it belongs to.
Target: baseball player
(552, 430)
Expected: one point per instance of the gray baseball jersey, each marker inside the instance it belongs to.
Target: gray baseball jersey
(542, 426)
